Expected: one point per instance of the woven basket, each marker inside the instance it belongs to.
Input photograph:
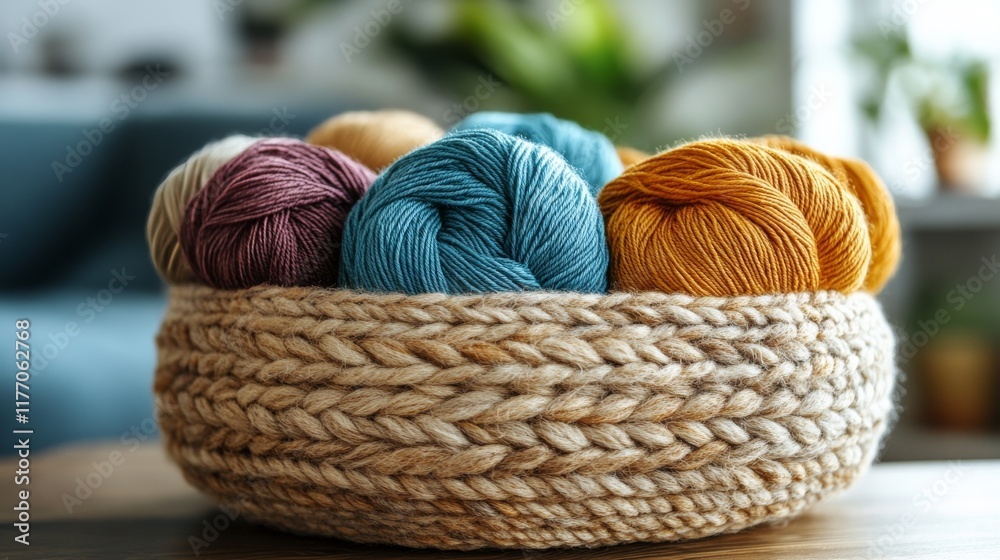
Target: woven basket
(528, 420)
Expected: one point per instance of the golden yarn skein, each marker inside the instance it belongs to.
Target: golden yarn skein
(875, 198)
(375, 138)
(728, 217)
(630, 156)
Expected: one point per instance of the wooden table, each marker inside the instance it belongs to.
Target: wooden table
(143, 509)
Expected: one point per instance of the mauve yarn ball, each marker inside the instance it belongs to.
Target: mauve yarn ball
(477, 211)
(273, 215)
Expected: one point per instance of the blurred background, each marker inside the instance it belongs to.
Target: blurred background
(100, 99)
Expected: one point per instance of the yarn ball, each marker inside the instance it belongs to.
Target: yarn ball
(375, 138)
(273, 215)
(172, 196)
(475, 212)
(591, 153)
(630, 156)
(876, 201)
(728, 217)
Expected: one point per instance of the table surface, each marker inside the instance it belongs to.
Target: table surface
(144, 509)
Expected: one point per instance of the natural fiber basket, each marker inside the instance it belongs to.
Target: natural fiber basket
(528, 420)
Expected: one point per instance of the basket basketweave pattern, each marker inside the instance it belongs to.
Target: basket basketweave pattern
(529, 420)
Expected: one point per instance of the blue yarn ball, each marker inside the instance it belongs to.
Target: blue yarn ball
(478, 211)
(591, 153)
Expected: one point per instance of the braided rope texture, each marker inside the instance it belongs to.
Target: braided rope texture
(529, 420)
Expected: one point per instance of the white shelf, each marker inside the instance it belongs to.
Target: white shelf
(949, 212)
(910, 443)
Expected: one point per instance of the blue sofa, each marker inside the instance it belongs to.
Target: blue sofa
(75, 263)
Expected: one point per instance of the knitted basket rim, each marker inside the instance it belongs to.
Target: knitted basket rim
(526, 420)
(335, 303)
(615, 297)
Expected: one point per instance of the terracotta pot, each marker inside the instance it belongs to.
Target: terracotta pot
(958, 375)
(960, 161)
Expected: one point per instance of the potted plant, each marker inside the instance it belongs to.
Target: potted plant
(948, 99)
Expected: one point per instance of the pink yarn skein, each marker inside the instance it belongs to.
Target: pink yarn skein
(273, 215)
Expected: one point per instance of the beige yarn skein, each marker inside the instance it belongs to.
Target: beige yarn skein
(172, 196)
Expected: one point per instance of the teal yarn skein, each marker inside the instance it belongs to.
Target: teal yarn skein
(478, 211)
(590, 152)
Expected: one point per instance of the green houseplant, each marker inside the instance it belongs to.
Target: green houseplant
(948, 100)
